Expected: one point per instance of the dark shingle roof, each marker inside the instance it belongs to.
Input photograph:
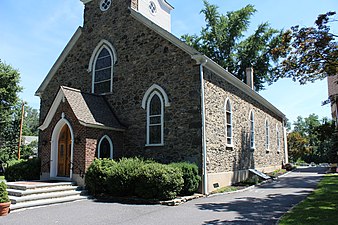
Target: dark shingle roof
(91, 109)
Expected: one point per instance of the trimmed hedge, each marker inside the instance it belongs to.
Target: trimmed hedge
(158, 181)
(97, 175)
(142, 178)
(23, 169)
(190, 177)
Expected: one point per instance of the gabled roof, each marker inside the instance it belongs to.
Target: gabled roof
(90, 110)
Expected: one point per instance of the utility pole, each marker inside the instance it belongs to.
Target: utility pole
(21, 122)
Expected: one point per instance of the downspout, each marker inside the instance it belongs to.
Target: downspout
(286, 154)
(202, 61)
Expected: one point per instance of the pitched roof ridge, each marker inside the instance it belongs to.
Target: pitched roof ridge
(70, 88)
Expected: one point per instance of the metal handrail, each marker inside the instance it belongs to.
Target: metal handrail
(76, 164)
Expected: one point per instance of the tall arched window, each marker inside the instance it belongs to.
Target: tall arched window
(103, 72)
(155, 119)
(154, 101)
(252, 130)
(105, 148)
(228, 122)
(101, 65)
(278, 139)
(267, 135)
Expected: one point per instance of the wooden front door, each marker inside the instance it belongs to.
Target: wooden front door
(64, 151)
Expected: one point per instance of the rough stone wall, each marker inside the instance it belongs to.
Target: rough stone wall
(144, 59)
(221, 158)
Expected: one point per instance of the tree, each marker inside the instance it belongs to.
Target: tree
(313, 140)
(311, 53)
(9, 89)
(223, 41)
(297, 146)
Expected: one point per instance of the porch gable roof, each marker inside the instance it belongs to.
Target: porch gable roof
(89, 109)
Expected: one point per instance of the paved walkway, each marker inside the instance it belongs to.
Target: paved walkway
(259, 205)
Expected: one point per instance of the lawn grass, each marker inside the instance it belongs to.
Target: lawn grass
(224, 189)
(320, 207)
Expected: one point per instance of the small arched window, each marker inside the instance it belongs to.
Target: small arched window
(105, 148)
(252, 130)
(155, 113)
(267, 135)
(228, 122)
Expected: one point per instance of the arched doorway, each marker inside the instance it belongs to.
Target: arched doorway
(64, 152)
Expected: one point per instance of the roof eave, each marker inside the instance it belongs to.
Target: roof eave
(210, 64)
(59, 61)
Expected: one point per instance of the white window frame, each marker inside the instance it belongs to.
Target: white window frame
(159, 91)
(92, 62)
(278, 139)
(161, 124)
(267, 135)
(99, 146)
(252, 130)
(228, 123)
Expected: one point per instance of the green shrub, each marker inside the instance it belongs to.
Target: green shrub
(3, 193)
(23, 169)
(289, 167)
(190, 177)
(123, 177)
(97, 175)
(158, 181)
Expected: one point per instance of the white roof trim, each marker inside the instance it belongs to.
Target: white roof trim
(59, 61)
(167, 4)
(85, 1)
(207, 62)
(59, 97)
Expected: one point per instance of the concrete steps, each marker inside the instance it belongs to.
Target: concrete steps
(39, 193)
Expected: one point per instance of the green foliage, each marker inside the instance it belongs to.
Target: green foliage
(158, 181)
(288, 167)
(313, 140)
(27, 150)
(97, 175)
(224, 189)
(135, 176)
(3, 193)
(311, 52)
(23, 169)
(318, 208)
(190, 177)
(222, 40)
(123, 178)
(9, 125)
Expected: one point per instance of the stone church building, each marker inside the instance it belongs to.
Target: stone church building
(125, 86)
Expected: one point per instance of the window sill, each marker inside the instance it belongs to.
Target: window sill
(253, 148)
(154, 145)
(229, 145)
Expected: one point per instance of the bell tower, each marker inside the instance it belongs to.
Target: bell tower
(158, 11)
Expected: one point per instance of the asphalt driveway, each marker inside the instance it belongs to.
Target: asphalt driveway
(259, 205)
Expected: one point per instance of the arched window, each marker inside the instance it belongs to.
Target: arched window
(102, 77)
(155, 119)
(154, 101)
(278, 139)
(267, 135)
(252, 130)
(101, 65)
(228, 122)
(105, 148)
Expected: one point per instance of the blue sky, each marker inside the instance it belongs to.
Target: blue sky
(34, 34)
